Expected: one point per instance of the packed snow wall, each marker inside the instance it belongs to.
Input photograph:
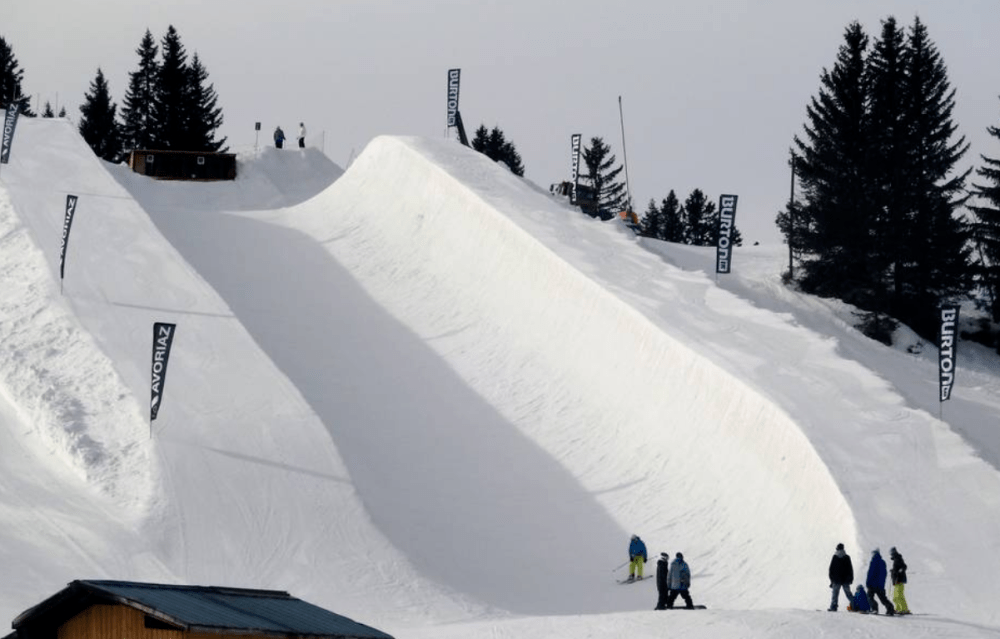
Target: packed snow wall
(484, 268)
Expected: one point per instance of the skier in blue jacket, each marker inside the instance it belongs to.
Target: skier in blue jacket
(636, 557)
(875, 584)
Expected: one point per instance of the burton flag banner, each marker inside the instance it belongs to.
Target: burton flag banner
(946, 350)
(575, 164)
(454, 77)
(67, 224)
(9, 124)
(727, 218)
(163, 338)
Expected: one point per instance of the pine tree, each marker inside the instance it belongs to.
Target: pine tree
(673, 218)
(987, 228)
(98, 125)
(204, 117)
(494, 145)
(172, 95)
(701, 218)
(47, 112)
(138, 121)
(651, 224)
(933, 266)
(834, 220)
(11, 77)
(603, 180)
(62, 112)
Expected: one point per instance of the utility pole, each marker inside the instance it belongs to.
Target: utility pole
(791, 219)
(628, 190)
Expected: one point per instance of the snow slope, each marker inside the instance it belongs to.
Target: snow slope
(435, 399)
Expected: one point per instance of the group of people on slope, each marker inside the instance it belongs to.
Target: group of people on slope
(279, 136)
(673, 579)
(867, 596)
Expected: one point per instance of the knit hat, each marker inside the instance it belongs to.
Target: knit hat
(680, 555)
(840, 546)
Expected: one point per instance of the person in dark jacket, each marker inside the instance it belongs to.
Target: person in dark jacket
(279, 137)
(841, 576)
(662, 580)
(875, 584)
(679, 582)
(636, 557)
(898, 576)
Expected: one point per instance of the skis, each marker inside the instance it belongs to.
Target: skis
(698, 607)
(632, 581)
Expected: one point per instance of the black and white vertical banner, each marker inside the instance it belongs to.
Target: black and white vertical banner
(724, 248)
(946, 350)
(163, 338)
(454, 79)
(9, 124)
(67, 225)
(575, 164)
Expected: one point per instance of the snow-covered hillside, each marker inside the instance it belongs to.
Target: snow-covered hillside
(429, 396)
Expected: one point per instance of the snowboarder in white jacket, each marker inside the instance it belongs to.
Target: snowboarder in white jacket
(679, 582)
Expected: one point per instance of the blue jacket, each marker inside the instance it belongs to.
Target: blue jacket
(876, 573)
(636, 549)
(860, 601)
(680, 575)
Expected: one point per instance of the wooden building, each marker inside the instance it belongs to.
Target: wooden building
(130, 610)
(183, 165)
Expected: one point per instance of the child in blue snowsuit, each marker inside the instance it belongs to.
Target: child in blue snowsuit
(860, 601)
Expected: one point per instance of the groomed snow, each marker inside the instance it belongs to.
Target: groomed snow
(429, 396)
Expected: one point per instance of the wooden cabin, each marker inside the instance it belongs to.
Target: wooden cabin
(130, 610)
(183, 165)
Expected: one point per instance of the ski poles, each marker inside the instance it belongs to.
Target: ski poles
(621, 566)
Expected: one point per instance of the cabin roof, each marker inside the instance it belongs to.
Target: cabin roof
(210, 609)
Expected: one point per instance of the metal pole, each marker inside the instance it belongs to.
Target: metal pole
(628, 191)
(791, 219)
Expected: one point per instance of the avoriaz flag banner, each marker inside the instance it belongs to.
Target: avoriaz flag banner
(947, 344)
(727, 219)
(163, 339)
(67, 225)
(575, 164)
(454, 78)
(9, 124)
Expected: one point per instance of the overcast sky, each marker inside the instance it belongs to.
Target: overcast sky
(712, 90)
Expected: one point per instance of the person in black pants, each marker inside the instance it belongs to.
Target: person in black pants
(875, 584)
(679, 582)
(662, 580)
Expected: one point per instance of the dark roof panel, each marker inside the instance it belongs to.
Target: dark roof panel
(217, 609)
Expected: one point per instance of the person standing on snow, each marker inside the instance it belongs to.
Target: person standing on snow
(636, 557)
(279, 137)
(875, 584)
(841, 576)
(898, 576)
(679, 582)
(662, 580)
(302, 135)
